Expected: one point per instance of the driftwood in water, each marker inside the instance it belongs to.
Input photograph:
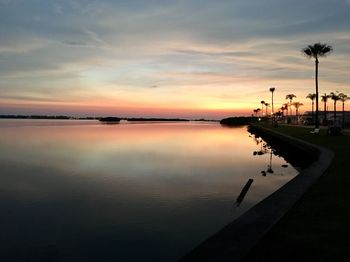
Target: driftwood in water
(244, 191)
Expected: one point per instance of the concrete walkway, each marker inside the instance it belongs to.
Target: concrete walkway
(347, 130)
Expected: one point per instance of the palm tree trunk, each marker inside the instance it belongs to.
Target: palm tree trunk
(325, 112)
(343, 124)
(272, 103)
(335, 110)
(313, 111)
(272, 111)
(316, 82)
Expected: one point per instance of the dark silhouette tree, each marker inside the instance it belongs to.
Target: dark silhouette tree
(290, 97)
(257, 111)
(297, 105)
(335, 97)
(324, 99)
(262, 107)
(312, 97)
(284, 108)
(316, 51)
(279, 113)
(266, 108)
(343, 97)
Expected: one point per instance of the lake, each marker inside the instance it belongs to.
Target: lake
(84, 191)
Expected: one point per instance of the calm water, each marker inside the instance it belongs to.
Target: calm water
(84, 191)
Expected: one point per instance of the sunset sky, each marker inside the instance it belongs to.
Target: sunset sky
(189, 58)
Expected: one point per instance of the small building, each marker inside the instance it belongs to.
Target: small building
(307, 117)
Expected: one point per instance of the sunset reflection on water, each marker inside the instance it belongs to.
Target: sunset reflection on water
(92, 191)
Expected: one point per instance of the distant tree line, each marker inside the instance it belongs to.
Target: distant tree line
(237, 121)
(110, 118)
(36, 117)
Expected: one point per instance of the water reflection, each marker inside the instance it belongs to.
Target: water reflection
(76, 191)
(269, 167)
(265, 148)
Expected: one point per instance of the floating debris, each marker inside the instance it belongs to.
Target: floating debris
(244, 191)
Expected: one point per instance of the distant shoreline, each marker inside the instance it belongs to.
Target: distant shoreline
(59, 117)
(103, 119)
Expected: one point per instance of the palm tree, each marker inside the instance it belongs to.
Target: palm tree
(343, 98)
(281, 109)
(324, 99)
(257, 111)
(297, 105)
(315, 51)
(284, 108)
(272, 89)
(290, 97)
(279, 113)
(335, 97)
(312, 98)
(262, 107)
(266, 106)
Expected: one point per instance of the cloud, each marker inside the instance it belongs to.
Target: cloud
(19, 41)
(58, 9)
(197, 47)
(74, 43)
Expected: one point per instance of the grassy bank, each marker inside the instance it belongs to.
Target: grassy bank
(317, 228)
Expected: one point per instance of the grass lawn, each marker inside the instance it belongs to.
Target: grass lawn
(317, 228)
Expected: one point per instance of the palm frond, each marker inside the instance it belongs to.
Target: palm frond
(317, 50)
(343, 97)
(307, 52)
(311, 96)
(324, 98)
(290, 96)
(334, 96)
